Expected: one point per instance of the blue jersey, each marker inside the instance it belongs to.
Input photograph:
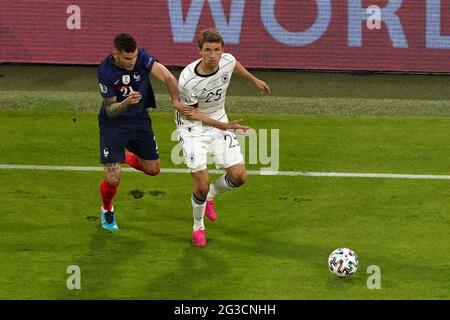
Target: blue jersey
(118, 82)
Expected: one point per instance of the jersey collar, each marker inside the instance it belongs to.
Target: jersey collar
(204, 75)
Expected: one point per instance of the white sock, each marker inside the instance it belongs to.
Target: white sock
(221, 185)
(104, 211)
(212, 192)
(198, 208)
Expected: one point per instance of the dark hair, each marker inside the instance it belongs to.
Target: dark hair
(209, 35)
(125, 43)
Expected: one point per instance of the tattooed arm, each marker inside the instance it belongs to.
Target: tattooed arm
(114, 108)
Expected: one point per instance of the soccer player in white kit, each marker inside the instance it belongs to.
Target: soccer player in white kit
(205, 128)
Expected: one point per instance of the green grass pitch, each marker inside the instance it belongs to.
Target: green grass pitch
(272, 237)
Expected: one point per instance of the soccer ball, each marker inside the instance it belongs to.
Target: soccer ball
(343, 262)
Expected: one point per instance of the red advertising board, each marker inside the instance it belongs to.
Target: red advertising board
(382, 35)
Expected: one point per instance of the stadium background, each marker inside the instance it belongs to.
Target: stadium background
(282, 34)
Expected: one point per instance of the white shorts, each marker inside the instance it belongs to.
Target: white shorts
(223, 146)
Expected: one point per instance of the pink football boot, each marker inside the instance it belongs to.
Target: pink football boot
(198, 238)
(210, 212)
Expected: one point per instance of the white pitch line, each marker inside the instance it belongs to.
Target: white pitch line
(252, 172)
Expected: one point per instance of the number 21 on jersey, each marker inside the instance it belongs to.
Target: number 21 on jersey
(125, 91)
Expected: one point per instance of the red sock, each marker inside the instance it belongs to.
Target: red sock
(108, 192)
(133, 161)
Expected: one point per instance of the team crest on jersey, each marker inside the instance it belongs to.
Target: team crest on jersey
(137, 77)
(126, 79)
(225, 77)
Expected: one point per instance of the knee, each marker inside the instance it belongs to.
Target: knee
(239, 177)
(202, 190)
(112, 175)
(113, 181)
(153, 171)
(152, 168)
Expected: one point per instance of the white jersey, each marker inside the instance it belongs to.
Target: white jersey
(207, 91)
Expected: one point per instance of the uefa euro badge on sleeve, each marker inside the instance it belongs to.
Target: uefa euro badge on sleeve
(103, 88)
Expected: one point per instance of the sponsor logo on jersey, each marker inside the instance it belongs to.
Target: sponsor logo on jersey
(137, 77)
(126, 79)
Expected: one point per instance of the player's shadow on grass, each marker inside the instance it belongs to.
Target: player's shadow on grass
(101, 277)
(201, 271)
(199, 274)
(191, 267)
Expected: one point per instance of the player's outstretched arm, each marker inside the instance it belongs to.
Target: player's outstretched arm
(243, 73)
(161, 73)
(232, 125)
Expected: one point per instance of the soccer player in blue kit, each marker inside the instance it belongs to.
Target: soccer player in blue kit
(123, 118)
